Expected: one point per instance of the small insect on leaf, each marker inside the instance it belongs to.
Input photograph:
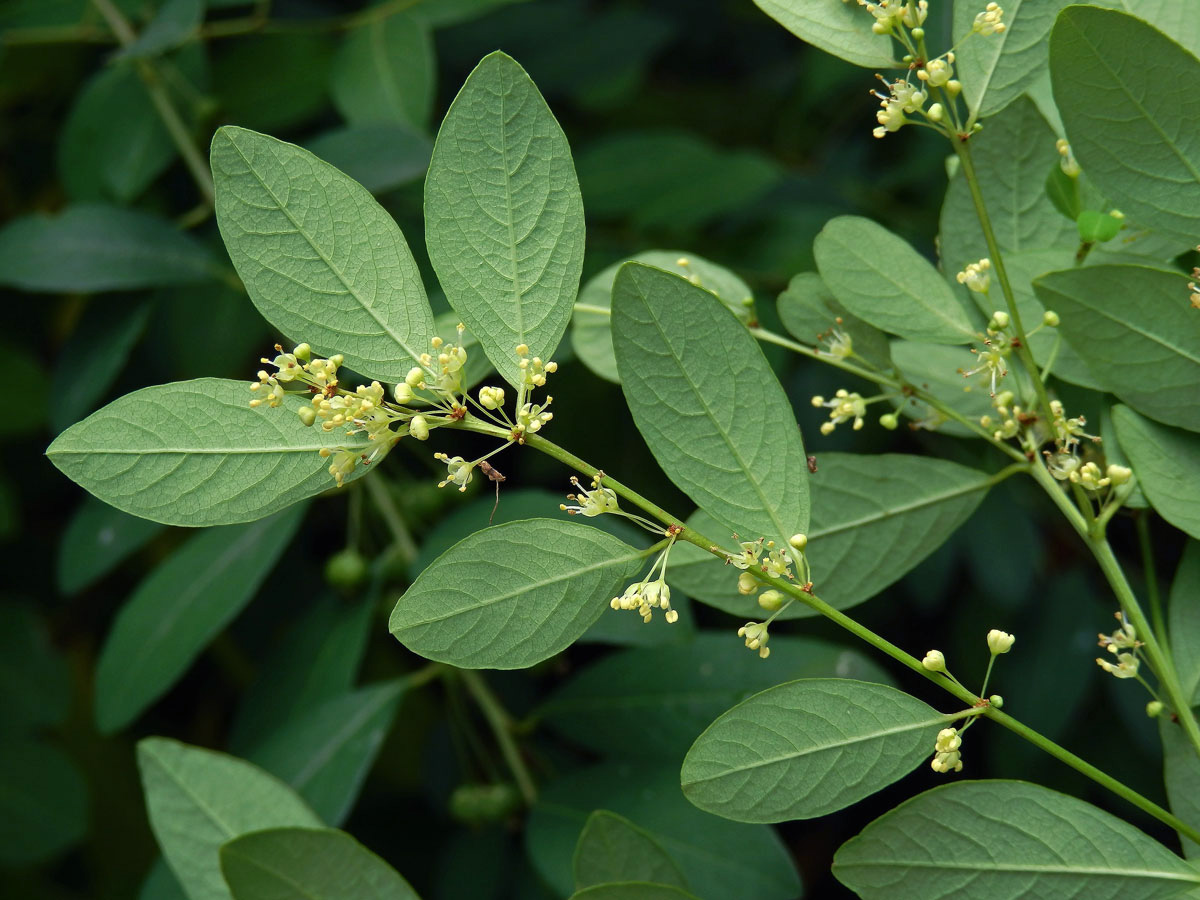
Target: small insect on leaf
(812, 464)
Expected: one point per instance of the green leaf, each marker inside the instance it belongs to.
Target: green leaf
(938, 369)
(175, 22)
(661, 698)
(785, 753)
(1184, 622)
(1135, 132)
(322, 261)
(325, 752)
(669, 180)
(315, 660)
(89, 363)
(1165, 461)
(995, 70)
(195, 453)
(99, 248)
(884, 281)
(1181, 775)
(1000, 840)
(504, 218)
(35, 688)
(97, 539)
(811, 313)
(308, 864)
(844, 31)
(611, 848)
(385, 72)
(731, 860)
(1149, 351)
(632, 890)
(380, 157)
(161, 884)
(1063, 191)
(179, 608)
(198, 799)
(591, 323)
(708, 404)
(512, 595)
(1167, 16)
(43, 802)
(894, 509)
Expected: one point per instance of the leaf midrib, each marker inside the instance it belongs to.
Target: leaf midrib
(928, 500)
(1132, 326)
(350, 288)
(1024, 867)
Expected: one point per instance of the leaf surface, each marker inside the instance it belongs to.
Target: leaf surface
(385, 71)
(611, 848)
(1165, 461)
(842, 30)
(97, 539)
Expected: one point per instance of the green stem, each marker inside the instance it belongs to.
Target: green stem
(381, 497)
(161, 100)
(1151, 574)
(502, 725)
(963, 149)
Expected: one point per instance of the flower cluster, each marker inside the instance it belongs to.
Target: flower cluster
(839, 344)
(1068, 431)
(594, 502)
(756, 636)
(890, 15)
(651, 592)
(901, 101)
(977, 276)
(844, 407)
(1123, 644)
(988, 21)
(946, 755)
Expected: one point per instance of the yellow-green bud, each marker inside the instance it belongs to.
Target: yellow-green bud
(346, 569)
(996, 700)
(303, 352)
(918, 34)
(934, 661)
(770, 600)
(747, 583)
(999, 641)
(415, 376)
(1050, 319)
(889, 421)
(307, 414)
(1119, 474)
(404, 393)
(798, 542)
(1154, 708)
(419, 428)
(999, 321)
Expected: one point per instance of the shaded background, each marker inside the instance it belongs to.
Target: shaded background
(697, 126)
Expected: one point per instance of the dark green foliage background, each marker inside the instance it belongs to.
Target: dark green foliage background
(782, 138)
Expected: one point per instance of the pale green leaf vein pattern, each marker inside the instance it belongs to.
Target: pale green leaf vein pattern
(514, 594)
(1004, 840)
(194, 453)
(707, 403)
(807, 748)
(504, 216)
(321, 260)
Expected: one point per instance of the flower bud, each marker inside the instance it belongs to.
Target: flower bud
(302, 352)
(1050, 319)
(415, 377)
(996, 701)
(999, 321)
(1119, 474)
(346, 569)
(936, 112)
(770, 600)
(307, 414)
(798, 542)
(889, 421)
(747, 583)
(1154, 709)
(934, 661)
(419, 428)
(999, 641)
(404, 393)
(918, 34)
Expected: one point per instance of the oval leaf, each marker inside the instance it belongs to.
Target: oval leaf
(198, 799)
(785, 753)
(611, 848)
(1004, 840)
(1184, 619)
(708, 404)
(512, 595)
(661, 698)
(385, 72)
(1149, 351)
(179, 608)
(195, 453)
(1136, 133)
(322, 261)
(308, 864)
(1165, 461)
(503, 215)
(810, 312)
(844, 31)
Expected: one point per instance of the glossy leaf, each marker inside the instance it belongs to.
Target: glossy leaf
(611, 848)
(807, 748)
(512, 595)
(195, 453)
(97, 539)
(884, 281)
(385, 72)
(35, 689)
(996, 69)
(322, 261)
(99, 248)
(894, 509)
(325, 752)
(504, 218)
(379, 157)
(1184, 621)
(1165, 461)
(662, 698)
(691, 373)
(1149, 351)
(43, 802)
(1135, 132)
(308, 864)
(199, 799)
(841, 30)
(179, 608)
(811, 313)
(591, 323)
(731, 860)
(1000, 840)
